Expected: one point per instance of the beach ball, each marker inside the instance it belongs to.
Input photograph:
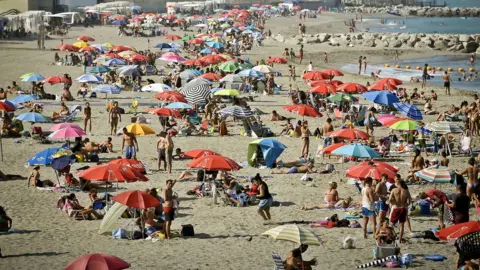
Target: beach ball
(387, 65)
(471, 69)
(397, 66)
(450, 69)
(407, 67)
(439, 68)
(417, 68)
(460, 69)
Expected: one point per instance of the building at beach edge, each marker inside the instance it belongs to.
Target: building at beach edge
(26, 5)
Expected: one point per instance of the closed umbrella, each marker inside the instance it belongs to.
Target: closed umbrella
(436, 175)
(32, 117)
(294, 233)
(381, 97)
(214, 163)
(409, 110)
(97, 261)
(356, 150)
(236, 111)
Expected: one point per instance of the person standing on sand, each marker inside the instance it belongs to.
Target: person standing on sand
(446, 83)
(400, 199)
(305, 139)
(364, 64)
(325, 58)
(114, 117)
(168, 208)
(300, 26)
(162, 150)
(266, 199)
(300, 53)
(87, 117)
(130, 141)
(397, 55)
(326, 128)
(170, 147)
(368, 206)
(425, 76)
(360, 61)
(381, 192)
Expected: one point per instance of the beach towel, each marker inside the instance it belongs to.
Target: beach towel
(378, 262)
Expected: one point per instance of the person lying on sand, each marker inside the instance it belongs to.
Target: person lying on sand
(300, 169)
(331, 200)
(64, 111)
(276, 116)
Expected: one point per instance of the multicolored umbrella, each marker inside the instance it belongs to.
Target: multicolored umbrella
(6, 107)
(444, 127)
(44, 157)
(33, 78)
(236, 111)
(294, 233)
(435, 175)
(329, 149)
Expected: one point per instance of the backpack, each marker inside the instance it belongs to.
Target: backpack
(187, 230)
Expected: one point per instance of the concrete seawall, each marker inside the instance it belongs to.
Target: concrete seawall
(419, 11)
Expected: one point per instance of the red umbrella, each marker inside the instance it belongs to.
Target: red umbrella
(166, 112)
(200, 153)
(333, 72)
(210, 76)
(54, 80)
(68, 47)
(390, 81)
(381, 164)
(171, 16)
(173, 37)
(214, 163)
(85, 38)
(349, 134)
(454, 232)
(316, 75)
(195, 62)
(6, 108)
(212, 59)
(171, 96)
(303, 110)
(97, 261)
(119, 49)
(367, 169)
(382, 86)
(136, 199)
(196, 41)
(329, 149)
(324, 88)
(277, 60)
(138, 57)
(112, 172)
(179, 21)
(352, 88)
(135, 164)
(334, 82)
(88, 49)
(113, 55)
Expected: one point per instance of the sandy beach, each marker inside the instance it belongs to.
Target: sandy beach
(226, 237)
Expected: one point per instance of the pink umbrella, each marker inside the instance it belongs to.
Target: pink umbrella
(382, 118)
(65, 125)
(65, 133)
(172, 58)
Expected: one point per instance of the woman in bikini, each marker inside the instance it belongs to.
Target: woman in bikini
(369, 121)
(34, 179)
(472, 174)
(87, 117)
(416, 165)
(305, 139)
(331, 200)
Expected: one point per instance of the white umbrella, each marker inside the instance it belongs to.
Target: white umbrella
(264, 69)
(156, 87)
(201, 25)
(231, 78)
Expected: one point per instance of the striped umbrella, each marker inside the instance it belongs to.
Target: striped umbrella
(294, 233)
(409, 110)
(196, 91)
(113, 214)
(444, 127)
(435, 175)
(236, 111)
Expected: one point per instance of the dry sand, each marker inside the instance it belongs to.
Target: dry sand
(227, 237)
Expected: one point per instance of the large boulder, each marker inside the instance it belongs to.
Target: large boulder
(396, 43)
(411, 42)
(421, 12)
(471, 47)
(324, 37)
(478, 50)
(447, 12)
(404, 37)
(279, 38)
(334, 42)
(465, 38)
(369, 43)
(311, 40)
(440, 45)
(428, 41)
(454, 41)
(464, 12)
(421, 45)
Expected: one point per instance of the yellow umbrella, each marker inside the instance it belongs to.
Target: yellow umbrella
(405, 125)
(80, 44)
(108, 45)
(227, 92)
(140, 129)
(127, 54)
(294, 233)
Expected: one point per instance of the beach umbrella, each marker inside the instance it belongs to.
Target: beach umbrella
(382, 86)
(436, 175)
(206, 51)
(236, 111)
(80, 44)
(133, 163)
(409, 110)
(88, 49)
(394, 120)
(264, 69)
(156, 87)
(163, 46)
(349, 134)
(26, 75)
(173, 37)
(229, 66)
(97, 261)
(303, 110)
(138, 57)
(165, 112)
(329, 149)
(231, 78)
(271, 150)
(179, 105)
(315, 75)
(323, 88)
(365, 170)
(24, 98)
(119, 48)
(136, 199)
(85, 38)
(381, 97)
(171, 96)
(195, 62)
(215, 45)
(99, 69)
(334, 82)
(127, 54)
(54, 80)
(33, 78)
(44, 157)
(189, 74)
(112, 172)
(250, 73)
(172, 57)
(201, 25)
(196, 41)
(66, 133)
(214, 163)
(376, 163)
(390, 81)
(129, 70)
(211, 76)
(196, 92)
(227, 92)
(68, 48)
(188, 38)
(114, 62)
(62, 162)
(332, 72)
(352, 88)
(200, 153)
(213, 59)
(111, 217)
(406, 124)
(102, 59)
(456, 231)
(6, 107)
(32, 117)
(89, 78)
(294, 233)
(382, 118)
(179, 20)
(65, 125)
(444, 127)
(140, 129)
(100, 47)
(12, 104)
(107, 89)
(119, 22)
(340, 97)
(356, 150)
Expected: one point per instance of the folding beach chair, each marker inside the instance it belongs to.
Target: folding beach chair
(464, 147)
(468, 248)
(279, 265)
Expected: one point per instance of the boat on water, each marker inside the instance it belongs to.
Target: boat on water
(394, 12)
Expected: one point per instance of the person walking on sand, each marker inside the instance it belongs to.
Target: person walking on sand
(300, 53)
(305, 139)
(168, 207)
(266, 199)
(397, 55)
(446, 82)
(114, 117)
(162, 151)
(425, 76)
(360, 61)
(368, 206)
(87, 117)
(400, 199)
(364, 64)
(130, 141)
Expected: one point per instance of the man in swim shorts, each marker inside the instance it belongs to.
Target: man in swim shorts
(130, 141)
(400, 199)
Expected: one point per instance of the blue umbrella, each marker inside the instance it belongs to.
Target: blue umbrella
(176, 45)
(356, 150)
(381, 97)
(271, 150)
(33, 78)
(190, 74)
(250, 73)
(424, 130)
(206, 51)
(90, 78)
(409, 110)
(114, 62)
(119, 22)
(107, 89)
(32, 117)
(136, 8)
(245, 59)
(163, 46)
(24, 98)
(216, 45)
(171, 50)
(61, 162)
(99, 69)
(44, 157)
(247, 32)
(12, 104)
(179, 105)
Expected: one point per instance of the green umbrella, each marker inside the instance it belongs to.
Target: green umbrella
(405, 125)
(26, 75)
(225, 25)
(246, 66)
(229, 66)
(342, 98)
(187, 38)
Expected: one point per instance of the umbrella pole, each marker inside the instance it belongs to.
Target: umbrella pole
(58, 180)
(1, 144)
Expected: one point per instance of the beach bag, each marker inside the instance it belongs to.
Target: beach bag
(348, 243)
(119, 233)
(187, 230)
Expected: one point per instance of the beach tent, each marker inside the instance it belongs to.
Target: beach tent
(271, 149)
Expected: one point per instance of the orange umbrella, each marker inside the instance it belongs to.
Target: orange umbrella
(277, 60)
(334, 82)
(68, 47)
(112, 172)
(195, 62)
(54, 80)
(85, 38)
(171, 96)
(352, 88)
(315, 75)
(349, 134)
(200, 153)
(390, 81)
(213, 59)
(210, 76)
(173, 37)
(303, 110)
(323, 88)
(166, 112)
(138, 57)
(329, 149)
(379, 86)
(136, 199)
(135, 164)
(333, 72)
(370, 170)
(454, 232)
(97, 261)
(214, 163)
(196, 41)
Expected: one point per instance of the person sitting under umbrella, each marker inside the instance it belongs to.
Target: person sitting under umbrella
(64, 112)
(72, 204)
(34, 179)
(295, 260)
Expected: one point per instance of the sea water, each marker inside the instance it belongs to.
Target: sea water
(444, 62)
(427, 25)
